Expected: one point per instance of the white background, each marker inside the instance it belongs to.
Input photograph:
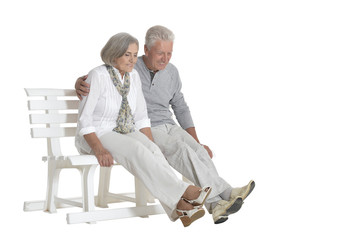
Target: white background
(274, 90)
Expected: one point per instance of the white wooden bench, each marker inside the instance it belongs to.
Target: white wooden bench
(53, 115)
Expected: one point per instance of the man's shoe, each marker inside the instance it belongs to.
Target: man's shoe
(243, 192)
(224, 208)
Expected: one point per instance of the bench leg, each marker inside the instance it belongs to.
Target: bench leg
(141, 195)
(88, 188)
(52, 187)
(103, 189)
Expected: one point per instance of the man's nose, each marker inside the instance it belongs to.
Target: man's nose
(164, 58)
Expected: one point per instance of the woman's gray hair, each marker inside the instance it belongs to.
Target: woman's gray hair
(156, 33)
(116, 46)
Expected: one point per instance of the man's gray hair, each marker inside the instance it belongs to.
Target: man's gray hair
(116, 46)
(156, 33)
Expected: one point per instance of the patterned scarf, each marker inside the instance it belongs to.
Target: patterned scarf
(125, 120)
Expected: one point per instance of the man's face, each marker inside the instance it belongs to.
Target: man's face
(159, 55)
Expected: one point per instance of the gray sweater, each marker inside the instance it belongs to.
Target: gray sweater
(162, 92)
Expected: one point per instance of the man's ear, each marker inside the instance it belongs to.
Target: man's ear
(146, 51)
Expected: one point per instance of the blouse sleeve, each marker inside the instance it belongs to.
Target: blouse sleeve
(88, 104)
(140, 114)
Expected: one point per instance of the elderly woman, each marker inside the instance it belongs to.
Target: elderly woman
(113, 124)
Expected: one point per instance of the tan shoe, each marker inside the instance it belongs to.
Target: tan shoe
(224, 208)
(244, 191)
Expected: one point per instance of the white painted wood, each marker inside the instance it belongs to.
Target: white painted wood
(54, 132)
(39, 205)
(53, 104)
(79, 160)
(69, 202)
(30, 206)
(121, 197)
(33, 92)
(53, 118)
(111, 214)
(103, 187)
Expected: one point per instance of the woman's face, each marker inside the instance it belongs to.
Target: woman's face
(126, 62)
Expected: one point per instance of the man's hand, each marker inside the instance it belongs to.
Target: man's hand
(147, 132)
(82, 87)
(208, 150)
(193, 133)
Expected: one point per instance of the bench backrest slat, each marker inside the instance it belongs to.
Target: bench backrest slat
(58, 108)
(33, 92)
(53, 118)
(53, 104)
(53, 132)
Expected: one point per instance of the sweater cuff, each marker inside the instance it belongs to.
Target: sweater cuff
(185, 120)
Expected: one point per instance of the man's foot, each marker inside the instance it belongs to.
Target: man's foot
(244, 191)
(224, 208)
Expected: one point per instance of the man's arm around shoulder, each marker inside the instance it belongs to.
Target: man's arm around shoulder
(82, 87)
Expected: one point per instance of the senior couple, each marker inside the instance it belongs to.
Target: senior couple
(124, 115)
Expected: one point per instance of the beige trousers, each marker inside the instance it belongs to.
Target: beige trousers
(190, 159)
(142, 158)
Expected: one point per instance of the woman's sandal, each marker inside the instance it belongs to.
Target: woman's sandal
(189, 216)
(204, 193)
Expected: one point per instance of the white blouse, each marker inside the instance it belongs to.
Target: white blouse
(99, 110)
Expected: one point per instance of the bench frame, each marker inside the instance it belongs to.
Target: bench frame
(58, 116)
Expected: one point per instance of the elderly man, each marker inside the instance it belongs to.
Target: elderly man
(161, 86)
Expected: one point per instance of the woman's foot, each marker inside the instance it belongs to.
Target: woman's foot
(189, 213)
(196, 196)
(183, 205)
(192, 192)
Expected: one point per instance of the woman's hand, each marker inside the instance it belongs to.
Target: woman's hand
(105, 159)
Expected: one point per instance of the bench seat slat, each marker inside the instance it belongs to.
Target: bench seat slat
(76, 160)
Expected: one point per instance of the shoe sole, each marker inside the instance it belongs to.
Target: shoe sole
(232, 208)
(221, 219)
(187, 221)
(237, 204)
